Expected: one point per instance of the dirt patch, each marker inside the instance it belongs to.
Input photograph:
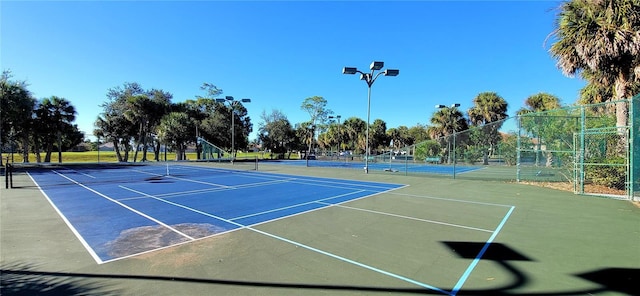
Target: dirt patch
(589, 188)
(142, 239)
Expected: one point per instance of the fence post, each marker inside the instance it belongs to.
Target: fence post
(454, 155)
(8, 178)
(518, 147)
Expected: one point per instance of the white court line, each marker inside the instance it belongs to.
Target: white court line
(452, 200)
(66, 221)
(411, 218)
(306, 180)
(79, 172)
(205, 190)
(126, 206)
(183, 179)
(90, 176)
(297, 205)
(241, 226)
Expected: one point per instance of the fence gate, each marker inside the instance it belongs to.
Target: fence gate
(596, 171)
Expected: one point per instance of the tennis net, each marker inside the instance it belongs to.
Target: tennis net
(45, 175)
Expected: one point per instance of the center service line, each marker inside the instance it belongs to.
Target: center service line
(295, 243)
(126, 206)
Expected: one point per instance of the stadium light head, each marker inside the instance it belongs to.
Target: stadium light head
(391, 72)
(220, 100)
(376, 65)
(363, 76)
(229, 98)
(455, 105)
(246, 100)
(349, 70)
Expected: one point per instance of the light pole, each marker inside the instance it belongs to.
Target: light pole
(369, 78)
(312, 131)
(98, 144)
(453, 131)
(339, 135)
(232, 105)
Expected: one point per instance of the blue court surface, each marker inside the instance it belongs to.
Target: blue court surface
(127, 210)
(396, 166)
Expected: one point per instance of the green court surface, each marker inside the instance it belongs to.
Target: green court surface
(434, 236)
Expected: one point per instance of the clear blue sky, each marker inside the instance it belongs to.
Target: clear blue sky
(279, 53)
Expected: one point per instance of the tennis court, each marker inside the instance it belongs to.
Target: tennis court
(394, 166)
(201, 228)
(123, 211)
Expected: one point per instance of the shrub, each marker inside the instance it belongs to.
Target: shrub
(612, 176)
(473, 154)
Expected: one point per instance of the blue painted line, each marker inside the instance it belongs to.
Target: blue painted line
(300, 245)
(294, 206)
(475, 261)
(351, 261)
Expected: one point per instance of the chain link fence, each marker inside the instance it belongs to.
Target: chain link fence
(579, 148)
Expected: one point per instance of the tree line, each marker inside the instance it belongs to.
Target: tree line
(135, 119)
(37, 126)
(597, 40)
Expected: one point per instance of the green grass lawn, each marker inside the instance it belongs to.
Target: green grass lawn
(110, 156)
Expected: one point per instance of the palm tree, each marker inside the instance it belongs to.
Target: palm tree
(174, 129)
(137, 112)
(16, 108)
(354, 131)
(317, 108)
(540, 102)
(378, 135)
(488, 111)
(54, 113)
(145, 111)
(603, 37)
(447, 122)
(393, 134)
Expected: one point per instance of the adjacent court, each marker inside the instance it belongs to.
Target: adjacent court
(392, 166)
(207, 228)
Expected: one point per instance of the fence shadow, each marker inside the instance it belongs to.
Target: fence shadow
(24, 279)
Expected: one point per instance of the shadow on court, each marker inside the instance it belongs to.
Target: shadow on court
(554, 244)
(24, 279)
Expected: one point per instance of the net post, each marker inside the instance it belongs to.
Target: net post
(8, 175)
(256, 165)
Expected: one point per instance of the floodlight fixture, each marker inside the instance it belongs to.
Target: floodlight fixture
(232, 105)
(376, 66)
(370, 78)
(391, 72)
(349, 70)
(455, 105)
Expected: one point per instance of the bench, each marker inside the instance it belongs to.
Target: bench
(432, 159)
